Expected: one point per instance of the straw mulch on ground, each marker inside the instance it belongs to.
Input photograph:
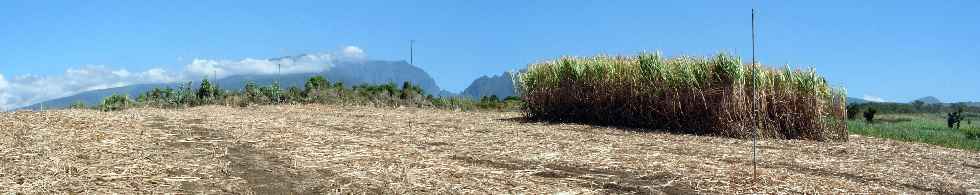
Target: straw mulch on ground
(312, 149)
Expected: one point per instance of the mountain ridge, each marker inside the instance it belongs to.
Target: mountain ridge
(349, 72)
(929, 100)
(501, 85)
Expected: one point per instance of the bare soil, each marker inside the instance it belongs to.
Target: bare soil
(324, 149)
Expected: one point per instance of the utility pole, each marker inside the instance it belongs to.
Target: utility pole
(278, 77)
(411, 52)
(755, 129)
(215, 86)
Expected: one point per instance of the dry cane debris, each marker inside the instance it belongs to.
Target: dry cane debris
(316, 149)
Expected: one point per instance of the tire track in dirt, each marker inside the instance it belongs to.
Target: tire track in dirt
(263, 172)
(611, 181)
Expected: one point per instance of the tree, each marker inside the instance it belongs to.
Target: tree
(207, 92)
(315, 85)
(918, 104)
(951, 119)
(253, 94)
(959, 116)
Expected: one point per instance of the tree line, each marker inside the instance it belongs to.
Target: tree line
(870, 109)
(316, 89)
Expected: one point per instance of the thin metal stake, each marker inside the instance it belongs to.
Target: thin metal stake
(755, 129)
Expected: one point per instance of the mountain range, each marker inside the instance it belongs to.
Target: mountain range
(352, 73)
(349, 72)
(926, 100)
(929, 100)
(500, 85)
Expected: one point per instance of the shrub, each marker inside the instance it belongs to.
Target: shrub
(852, 112)
(184, 96)
(272, 93)
(455, 103)
(410, 91)
(490, 102)
(235, 98)
(388, 90)
(77, 105)
(972, 133)
(115, 102)
(293, 95)
(685, 94)
(869, 115)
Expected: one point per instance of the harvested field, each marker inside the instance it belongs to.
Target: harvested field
(312, 149)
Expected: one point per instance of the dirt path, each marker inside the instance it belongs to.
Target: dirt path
(318, 149)
(262, 172)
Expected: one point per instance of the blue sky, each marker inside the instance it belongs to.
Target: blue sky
(894, 50)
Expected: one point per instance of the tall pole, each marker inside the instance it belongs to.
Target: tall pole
(278, 75)
(755, 129)
(216, 86)
(411, 52)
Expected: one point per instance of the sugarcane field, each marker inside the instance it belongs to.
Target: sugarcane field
(489, 97)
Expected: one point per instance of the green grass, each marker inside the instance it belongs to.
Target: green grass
(925, 128)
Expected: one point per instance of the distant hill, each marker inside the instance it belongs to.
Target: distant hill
(929, 100)
(351, 73)
(854, 100)
(501, 85)
(380, 72)
(95, 96)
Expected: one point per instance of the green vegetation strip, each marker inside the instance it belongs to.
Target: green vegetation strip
(316, 90)
(927, 128)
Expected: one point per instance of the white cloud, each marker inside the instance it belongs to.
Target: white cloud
(3, 83)
(353, 53)
(873, 98)
(28, 89)
(3, 93)
(24, 90)
(293, 64)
